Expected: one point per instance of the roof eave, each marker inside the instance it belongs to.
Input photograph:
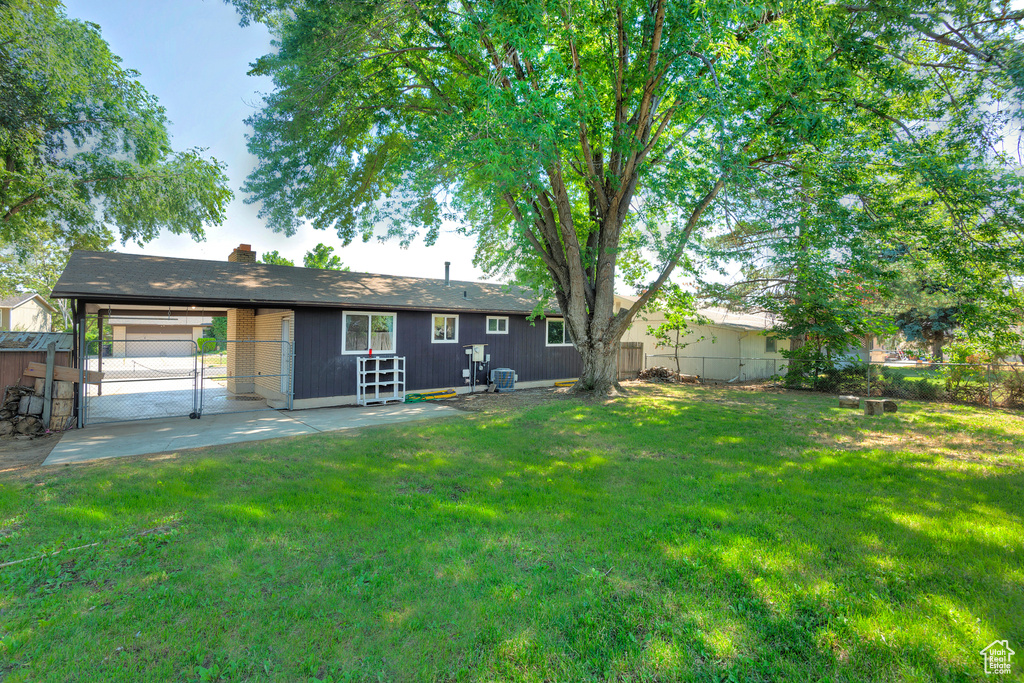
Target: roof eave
(93, 298)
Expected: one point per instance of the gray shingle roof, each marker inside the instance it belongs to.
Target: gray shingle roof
(16, 300)
(109, 277)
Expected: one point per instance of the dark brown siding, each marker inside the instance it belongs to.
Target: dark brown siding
(322, 370)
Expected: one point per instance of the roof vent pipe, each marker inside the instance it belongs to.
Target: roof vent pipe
(447, 273)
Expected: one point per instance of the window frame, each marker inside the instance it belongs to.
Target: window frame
(487, 324)
(547, 332)
(345, 351)
(774, 342)
(433, 340)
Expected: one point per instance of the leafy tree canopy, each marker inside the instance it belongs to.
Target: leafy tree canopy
(575, 138)
(36, 261)
(84, 148)
(274, 258)
(323, 257)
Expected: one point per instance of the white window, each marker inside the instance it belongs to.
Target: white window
(558, 333)
(445, 329)
(364, 330)
(770, 345)
(497, 325)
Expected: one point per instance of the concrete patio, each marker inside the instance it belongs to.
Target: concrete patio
(146, 437)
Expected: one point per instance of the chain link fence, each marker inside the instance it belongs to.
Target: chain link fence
(142, 379)
(990, 384)
(147, 378)
(239, 376)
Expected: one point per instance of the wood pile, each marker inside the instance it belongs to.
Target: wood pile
(21, 413)
(663, 374)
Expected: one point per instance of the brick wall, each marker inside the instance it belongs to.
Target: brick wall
(241, 362)
(268, 354)
(241, 357)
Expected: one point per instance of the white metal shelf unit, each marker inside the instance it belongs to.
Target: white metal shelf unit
(381, 379)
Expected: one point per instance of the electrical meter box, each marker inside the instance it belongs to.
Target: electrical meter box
(478, 353)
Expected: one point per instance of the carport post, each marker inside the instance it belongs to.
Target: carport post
(291, 378)
(83, 360)
(99, 351)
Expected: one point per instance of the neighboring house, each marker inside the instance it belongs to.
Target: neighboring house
(329, 319)
(164, 334)
(26, 312)
(732, 346)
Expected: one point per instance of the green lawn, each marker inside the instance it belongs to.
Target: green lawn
(677, 534)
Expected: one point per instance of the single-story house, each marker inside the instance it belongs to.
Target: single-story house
(26, 312)
(733, 346)
(325, 320)
(180, 332)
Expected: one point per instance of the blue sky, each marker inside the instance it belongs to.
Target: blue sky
(194, 57)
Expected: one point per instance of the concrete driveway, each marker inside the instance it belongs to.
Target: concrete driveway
(97, 442)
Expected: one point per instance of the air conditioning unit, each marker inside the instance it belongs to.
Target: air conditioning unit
(504, 379)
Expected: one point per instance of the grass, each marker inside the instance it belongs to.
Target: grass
(932, 374)
(678, 534)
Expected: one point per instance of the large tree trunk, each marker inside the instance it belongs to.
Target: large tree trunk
(797, 342)
(600, 372)
(937, 343)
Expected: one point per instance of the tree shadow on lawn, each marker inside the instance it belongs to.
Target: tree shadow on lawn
(678, 540)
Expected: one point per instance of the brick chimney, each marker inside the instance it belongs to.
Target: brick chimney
(241, 357)
(243, 253)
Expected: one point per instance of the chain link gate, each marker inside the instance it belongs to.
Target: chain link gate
(142, 379)
(149, 379)
(244, 375)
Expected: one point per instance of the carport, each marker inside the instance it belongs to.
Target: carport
(153, 374)
(161, 376)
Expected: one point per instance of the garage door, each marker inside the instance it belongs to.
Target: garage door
(156, 344)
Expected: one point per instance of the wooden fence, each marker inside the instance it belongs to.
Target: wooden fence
(631, 359)
(14, 363)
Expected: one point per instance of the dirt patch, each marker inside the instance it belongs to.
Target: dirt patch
(18, 455)
(483, 402)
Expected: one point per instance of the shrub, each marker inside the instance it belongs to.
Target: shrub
(849, 379)
(1009, 386)
(207, 345)
(925, 390)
